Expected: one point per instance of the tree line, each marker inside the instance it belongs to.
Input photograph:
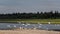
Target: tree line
(38, 15)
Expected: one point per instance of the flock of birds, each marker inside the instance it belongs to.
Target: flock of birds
(27, 25)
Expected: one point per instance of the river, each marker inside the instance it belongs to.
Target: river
(31, 26)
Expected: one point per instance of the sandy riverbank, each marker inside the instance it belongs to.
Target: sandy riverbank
(28, 32)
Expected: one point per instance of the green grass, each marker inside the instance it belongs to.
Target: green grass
(43, 21)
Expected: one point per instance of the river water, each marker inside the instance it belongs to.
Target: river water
(37, 26)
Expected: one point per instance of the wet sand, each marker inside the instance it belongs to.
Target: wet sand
(28, 31)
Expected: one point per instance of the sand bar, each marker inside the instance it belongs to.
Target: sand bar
(25, 31)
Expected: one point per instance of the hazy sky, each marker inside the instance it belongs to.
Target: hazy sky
(10, 6)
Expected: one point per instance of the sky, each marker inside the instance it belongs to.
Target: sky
(13, 6)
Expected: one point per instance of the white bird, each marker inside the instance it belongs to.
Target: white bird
(20, 27)
(14, 25)
(23, 24)
(40, 24)
(28, 24)
(35, 28)
(49, 22)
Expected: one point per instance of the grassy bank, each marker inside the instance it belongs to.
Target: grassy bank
(43, 21)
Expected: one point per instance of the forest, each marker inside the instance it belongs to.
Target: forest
(38, 15)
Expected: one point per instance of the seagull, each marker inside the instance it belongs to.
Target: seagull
(28, 24)
(14, 25)
(20, 27)
(40, 24)
(23, 24)
(49, 22)
(34, 27)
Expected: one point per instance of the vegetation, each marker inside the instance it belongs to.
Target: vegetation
(39, 17)
(42, 21)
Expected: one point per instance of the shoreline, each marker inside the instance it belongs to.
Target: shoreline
(29, 31)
